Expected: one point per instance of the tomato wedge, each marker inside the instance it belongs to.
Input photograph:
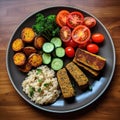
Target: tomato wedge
(74, 19)
(61, 18)
(65, 33)
(81, 34)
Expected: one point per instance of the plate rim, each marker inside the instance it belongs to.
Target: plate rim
(75, 109)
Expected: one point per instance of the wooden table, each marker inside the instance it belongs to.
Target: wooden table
(12, 106)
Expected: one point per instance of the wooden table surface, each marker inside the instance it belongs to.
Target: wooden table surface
(12, 106)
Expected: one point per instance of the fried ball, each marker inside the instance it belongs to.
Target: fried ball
(25, 68)
(29, 50)
(27, 34)
(17, 45)
(38, 42)
(35, 59)
(19, 58)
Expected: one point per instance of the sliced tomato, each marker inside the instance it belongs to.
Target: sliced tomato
(65, 33)
(81, 34)
(71, 43)
(61, 18)
(89, 22)
(74, 19)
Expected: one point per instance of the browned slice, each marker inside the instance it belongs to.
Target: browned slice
(19, 58)
(17, 45)
(65, 84)
(91, 60)
(25, 68)
(27, 34)
(38, 42)
(89, 70)
(77, 74)
(28, 50)
(35, 60)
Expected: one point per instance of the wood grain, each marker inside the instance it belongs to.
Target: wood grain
(12, 106)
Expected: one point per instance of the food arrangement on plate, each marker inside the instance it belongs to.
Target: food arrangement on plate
(41, 50)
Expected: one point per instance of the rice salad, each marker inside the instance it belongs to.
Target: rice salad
(41, 85)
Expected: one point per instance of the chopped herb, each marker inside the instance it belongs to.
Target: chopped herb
(39, 71)
(39, 80)
(39, 90)
(46, 84)
(31, 90)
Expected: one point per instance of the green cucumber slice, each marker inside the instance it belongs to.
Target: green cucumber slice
(48, 47)
(57, 64)
(46, 58)
(56, 41)
(60, 52)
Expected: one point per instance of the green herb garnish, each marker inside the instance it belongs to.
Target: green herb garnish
(31, 91)
(46, 84)
(46, 26)
(39, 90)
(40, 80)
(39, 71)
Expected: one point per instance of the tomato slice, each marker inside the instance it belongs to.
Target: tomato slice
(65, 33)
(81, 34)
(89, 22)
(74, 19)
(61, 18)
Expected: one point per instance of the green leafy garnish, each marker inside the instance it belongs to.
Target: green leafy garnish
(39, 80)
(46, 84)
(39, 90)
(39, 71)
(46, 26)
(31, 91)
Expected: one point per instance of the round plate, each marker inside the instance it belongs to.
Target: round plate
(82, 99)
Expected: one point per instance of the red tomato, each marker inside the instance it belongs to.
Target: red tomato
(74, 19)
(70, 52)
(93, 48)
(65, 34)
(61, 18)
(71, 43)
(89, 22)
(98, 38)
(81, 34)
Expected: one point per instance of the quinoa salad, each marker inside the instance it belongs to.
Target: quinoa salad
(41, 85)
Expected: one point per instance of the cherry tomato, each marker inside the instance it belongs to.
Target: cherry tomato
(81, 34)
(71, 43)
(61, 18)
(93, 48)
(74, 19)
(70, 52)
(98, 38)
(65, 34)
(89, 22)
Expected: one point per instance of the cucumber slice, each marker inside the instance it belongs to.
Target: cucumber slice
(46, 58)
(60, 52)
(56, 41)
(56, 64)
(48, 47)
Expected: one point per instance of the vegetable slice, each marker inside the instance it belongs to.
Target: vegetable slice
(46, 58)
(48, 47)
(56, 64)
(60, 52)
(56, 41)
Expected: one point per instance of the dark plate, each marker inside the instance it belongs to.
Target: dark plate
(82, 99)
